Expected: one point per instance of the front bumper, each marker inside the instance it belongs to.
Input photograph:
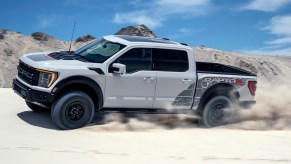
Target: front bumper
(32, 95)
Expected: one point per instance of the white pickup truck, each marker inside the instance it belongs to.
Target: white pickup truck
(130, 73)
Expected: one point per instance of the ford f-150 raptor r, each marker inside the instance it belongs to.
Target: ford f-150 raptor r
(130, 72)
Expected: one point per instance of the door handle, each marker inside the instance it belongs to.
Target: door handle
(186, 81)
(148, 79)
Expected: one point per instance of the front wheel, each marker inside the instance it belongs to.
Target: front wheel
(73, 110)
(218, 111)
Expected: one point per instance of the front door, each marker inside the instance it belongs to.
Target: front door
(135, 88)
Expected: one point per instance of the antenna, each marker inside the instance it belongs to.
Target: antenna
(72, 37)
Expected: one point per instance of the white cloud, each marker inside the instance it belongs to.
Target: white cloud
(184, 32)
(266, 5)
(136, 18)
(184, 2)
(279, 26)
(189, 7)
(154, 13)
(45, 21)
(279, 41)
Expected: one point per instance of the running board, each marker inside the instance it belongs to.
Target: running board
(143, 111)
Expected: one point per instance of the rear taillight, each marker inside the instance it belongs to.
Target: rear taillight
(252, 87)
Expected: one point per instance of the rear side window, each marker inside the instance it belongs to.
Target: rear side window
(136, 59)
(170, 60)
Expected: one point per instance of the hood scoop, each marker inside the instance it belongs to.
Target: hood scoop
(63, 55)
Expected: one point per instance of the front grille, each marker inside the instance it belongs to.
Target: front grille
(28, 73)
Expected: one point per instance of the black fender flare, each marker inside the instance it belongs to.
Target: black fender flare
(218, 89)
(81, 80)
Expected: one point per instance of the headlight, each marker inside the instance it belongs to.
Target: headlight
(46, 78)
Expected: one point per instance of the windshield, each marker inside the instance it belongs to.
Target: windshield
(99, 51)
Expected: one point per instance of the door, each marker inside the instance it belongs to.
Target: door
(175, 80)
(135, 88)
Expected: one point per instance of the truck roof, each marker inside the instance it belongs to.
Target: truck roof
(140, 40)
(145, 39)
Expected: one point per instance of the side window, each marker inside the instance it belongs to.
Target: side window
(136, 59)
(170, 60)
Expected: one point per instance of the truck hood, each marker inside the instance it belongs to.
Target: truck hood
(42, 60)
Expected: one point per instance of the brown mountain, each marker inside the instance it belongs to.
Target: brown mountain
(139, 30)
(85, 38)
(14, 44)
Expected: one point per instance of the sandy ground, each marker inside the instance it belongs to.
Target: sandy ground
(27, 137)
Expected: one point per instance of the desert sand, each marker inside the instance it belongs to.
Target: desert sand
(261, 134)
(28, 137)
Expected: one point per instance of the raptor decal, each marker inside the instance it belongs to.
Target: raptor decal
(206, 82)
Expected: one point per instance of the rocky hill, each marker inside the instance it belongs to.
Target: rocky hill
(267, 68)
(139, 30)
(14, 44)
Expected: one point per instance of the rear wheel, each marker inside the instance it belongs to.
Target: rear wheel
(73, 110)
(218, 111)
(36, 108)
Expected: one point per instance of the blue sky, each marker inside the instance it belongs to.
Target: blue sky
(251, 26)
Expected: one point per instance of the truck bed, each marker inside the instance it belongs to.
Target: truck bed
(216, 68)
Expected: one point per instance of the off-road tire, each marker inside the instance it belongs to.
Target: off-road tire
(218, 111)
(73, 110)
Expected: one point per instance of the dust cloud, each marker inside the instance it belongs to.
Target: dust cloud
(271, 112)
(141, 122)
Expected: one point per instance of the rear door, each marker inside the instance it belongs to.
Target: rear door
(175, 80)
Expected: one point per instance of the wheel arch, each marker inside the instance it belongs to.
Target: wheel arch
(80, 83)
(224, 89)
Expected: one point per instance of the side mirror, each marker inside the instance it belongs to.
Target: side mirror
(117, 68)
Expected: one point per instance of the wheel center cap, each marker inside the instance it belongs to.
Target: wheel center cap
(74, 111)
